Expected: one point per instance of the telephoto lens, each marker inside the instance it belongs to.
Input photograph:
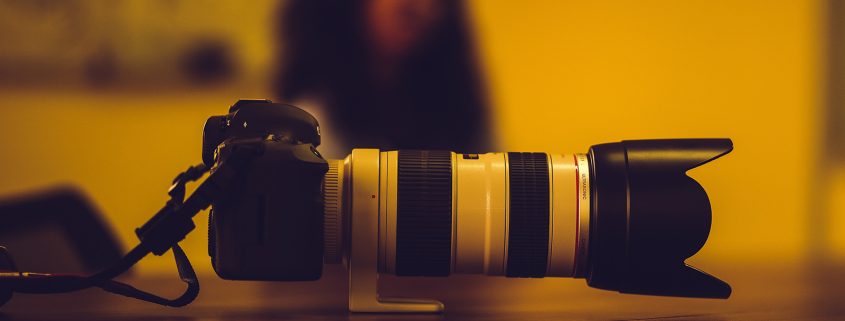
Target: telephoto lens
(624, 216)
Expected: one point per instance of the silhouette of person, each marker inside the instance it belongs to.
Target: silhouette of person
(384, 74)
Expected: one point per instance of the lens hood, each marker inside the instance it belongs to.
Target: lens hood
(648, 217)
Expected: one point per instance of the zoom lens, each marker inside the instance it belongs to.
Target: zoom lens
(624, 216)
(510, 214)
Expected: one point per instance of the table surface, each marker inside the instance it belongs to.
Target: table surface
(761, 292)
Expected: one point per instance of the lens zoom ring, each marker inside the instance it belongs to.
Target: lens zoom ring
(528, 237)
(424, 213)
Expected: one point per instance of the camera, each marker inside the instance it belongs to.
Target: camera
(624, 216)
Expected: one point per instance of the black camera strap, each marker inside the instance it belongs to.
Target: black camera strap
(186, 273)
(158, 235)
(43, 283)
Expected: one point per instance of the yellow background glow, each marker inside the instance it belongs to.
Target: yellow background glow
(562, 75)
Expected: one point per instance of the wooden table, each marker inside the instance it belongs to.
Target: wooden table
(761, 292)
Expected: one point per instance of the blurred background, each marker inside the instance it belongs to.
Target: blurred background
(111, 96)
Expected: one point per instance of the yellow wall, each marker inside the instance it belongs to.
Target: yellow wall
(563, 75)
(567, 74)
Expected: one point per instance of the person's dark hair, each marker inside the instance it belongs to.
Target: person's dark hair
(436, 102)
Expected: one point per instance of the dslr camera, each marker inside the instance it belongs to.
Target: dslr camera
(624, 216)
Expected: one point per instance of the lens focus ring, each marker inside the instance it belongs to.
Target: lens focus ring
(528, 222)
(424, 213)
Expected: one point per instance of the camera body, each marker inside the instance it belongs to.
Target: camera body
(269, 226)
(624, 216)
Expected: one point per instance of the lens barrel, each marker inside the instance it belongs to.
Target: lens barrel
(625, 216)
(495, 214)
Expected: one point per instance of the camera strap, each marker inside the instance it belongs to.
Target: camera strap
(41, 283)
(186, 273)
(158, 235)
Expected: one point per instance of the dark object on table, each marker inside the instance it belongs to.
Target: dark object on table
(59, 222)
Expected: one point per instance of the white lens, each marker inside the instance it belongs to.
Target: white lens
(514, 214)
